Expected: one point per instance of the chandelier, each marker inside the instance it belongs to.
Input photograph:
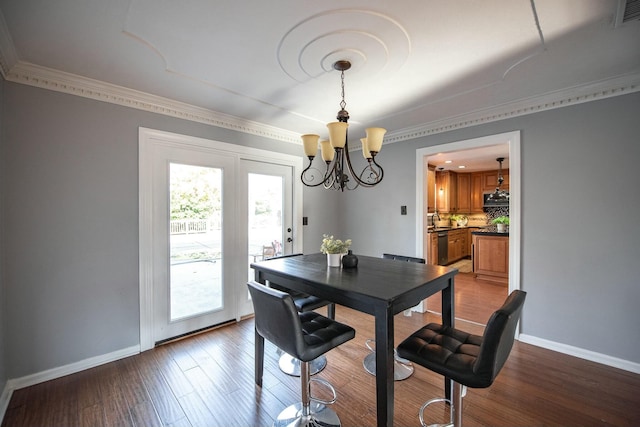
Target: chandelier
(339, 172)
(499, 195)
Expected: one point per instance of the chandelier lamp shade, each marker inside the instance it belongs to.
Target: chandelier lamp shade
(339, 173)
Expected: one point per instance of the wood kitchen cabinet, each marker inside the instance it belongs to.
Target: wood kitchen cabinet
(447, 194)
(456, 245)
(490, 180)
(432, 255)
(431, 188)
(470, 240)
(464, 243)
(491, 258)
(464, 192)
(477, 200)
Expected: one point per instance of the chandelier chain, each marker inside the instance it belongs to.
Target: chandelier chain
(342, 103)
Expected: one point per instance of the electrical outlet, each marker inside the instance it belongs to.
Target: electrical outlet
(403, 210)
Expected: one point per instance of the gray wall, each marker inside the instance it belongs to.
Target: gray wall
(69, 174)
(71, 168)
(322, 208)
(3, 365)
(580, 232)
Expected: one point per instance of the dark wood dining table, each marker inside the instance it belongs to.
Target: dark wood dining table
(377, 286)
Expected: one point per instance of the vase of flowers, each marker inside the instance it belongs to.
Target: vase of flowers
(335, 249)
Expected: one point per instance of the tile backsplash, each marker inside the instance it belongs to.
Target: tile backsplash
(493, 213)
(479, 219)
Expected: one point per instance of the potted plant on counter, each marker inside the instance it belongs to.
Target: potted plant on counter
(334, 248)
(501, 222)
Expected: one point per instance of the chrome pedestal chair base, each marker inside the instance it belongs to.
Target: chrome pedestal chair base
(455, 408)
(291, 366)
(311, 411)
(320, 416)
(402, 368)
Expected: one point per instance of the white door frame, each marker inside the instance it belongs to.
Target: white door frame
(147, 139)
(515, 190)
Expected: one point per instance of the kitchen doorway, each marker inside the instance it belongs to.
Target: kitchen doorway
(513, 141)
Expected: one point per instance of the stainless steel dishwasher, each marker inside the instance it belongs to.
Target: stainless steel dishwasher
(443, 247)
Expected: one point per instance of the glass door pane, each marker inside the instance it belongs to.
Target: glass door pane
(265, 217)
(195, 240)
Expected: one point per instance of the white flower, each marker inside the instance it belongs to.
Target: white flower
(334, 246)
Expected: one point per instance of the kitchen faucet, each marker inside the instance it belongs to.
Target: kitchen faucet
(433, 221)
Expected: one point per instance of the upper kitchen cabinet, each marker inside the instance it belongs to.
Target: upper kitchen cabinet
(431, 188)
(477, 191)
(464, 192)
(447, 192)
(490, 180)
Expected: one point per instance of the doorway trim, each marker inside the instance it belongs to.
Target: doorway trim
(515, 191)
(147, 139)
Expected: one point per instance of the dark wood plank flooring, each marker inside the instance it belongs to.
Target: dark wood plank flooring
(207, 380)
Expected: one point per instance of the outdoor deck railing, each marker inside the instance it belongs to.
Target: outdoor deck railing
(192, 226)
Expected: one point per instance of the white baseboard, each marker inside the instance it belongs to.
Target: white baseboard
(603, 359)
(4, 401)
(51, 374)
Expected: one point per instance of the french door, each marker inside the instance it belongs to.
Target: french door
(269, 217)
(192, 266)
(207, 210)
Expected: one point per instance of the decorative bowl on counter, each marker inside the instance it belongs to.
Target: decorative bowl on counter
(460, 220)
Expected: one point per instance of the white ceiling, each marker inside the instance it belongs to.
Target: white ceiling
(474, 159)
(265, 67)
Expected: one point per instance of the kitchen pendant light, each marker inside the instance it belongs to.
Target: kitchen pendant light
(499, 195)
(335, 152)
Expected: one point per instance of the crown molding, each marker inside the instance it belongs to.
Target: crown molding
(46, 78)
(621, 85)
(8, 56)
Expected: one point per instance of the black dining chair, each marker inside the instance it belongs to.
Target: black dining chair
(404, 258)
(306, 336)
(468, 360)
(303, 302)
(402, 368)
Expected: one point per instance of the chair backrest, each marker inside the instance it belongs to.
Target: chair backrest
(282, 256)
(268, 251)
(498, 337)
(285, 256)
(275, 285)
(276, 318)
(404, 258)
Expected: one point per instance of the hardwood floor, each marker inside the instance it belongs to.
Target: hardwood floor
(207, 380)
(476, 299)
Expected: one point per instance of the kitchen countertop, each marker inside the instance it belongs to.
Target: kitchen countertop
(490, 230)
(438, 229)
